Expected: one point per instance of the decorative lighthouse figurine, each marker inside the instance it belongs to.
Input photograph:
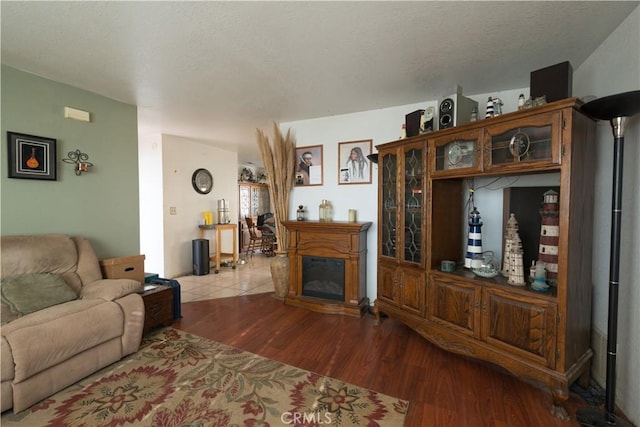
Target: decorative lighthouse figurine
(549, 232)
(489, 112)
(516, 267)
(474, 241)
(509, 235)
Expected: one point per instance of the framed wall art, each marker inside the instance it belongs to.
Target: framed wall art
(353, 165)
(308, 165)
(31, 157)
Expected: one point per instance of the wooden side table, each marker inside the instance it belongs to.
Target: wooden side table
(219, 255)
(158, 307)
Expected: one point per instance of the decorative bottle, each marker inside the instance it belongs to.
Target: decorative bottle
(326, 211)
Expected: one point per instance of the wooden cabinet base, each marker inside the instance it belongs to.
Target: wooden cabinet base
(556, 382)
(324, 306)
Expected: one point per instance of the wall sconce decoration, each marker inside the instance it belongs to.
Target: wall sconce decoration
(79, 160)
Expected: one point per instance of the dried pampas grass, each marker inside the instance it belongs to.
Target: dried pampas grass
(279, 163)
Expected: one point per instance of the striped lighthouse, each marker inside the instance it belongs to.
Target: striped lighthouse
(474, 241)
(549, 232)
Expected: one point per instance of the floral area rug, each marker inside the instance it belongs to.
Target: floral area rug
(179, 379)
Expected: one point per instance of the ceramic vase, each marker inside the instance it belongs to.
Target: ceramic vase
(280, 274)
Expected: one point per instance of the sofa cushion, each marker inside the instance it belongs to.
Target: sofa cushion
(46, 253)
(53, 335)
(110, 289)
(32, 292)
(6, 315)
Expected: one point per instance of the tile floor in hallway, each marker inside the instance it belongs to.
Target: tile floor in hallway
(254, 277)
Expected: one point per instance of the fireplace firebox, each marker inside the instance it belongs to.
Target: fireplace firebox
(323, 277)
(328, 266)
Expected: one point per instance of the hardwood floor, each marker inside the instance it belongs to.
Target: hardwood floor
(443, 389)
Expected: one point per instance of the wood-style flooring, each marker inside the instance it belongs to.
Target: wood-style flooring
(443, 389)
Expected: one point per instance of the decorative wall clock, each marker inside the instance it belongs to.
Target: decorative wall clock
(202, 181)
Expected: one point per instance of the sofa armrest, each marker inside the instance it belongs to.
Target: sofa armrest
(110, 289)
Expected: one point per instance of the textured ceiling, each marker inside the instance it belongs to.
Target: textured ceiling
(214, 71)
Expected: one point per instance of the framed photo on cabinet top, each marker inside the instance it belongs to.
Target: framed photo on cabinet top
(308, 165)
(353, 165)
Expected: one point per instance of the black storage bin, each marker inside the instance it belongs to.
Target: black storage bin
(200, 249)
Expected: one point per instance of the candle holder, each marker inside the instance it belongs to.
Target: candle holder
(79, 160)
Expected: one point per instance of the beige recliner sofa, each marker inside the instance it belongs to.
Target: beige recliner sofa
(46, 350)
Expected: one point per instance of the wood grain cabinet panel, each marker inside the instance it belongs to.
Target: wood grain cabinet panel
(455, 304)
(524, 326)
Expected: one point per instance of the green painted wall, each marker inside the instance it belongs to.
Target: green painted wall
(101, 204)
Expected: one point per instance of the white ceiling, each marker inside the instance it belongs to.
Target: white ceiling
(215, 71)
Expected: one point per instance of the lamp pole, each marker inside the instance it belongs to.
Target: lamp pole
(615, 108)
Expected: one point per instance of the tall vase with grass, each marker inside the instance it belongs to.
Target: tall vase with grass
(278, 158)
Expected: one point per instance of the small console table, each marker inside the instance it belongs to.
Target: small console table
(218, 257)
(336, 243)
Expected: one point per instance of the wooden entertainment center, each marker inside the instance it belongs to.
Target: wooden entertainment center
(542, 337)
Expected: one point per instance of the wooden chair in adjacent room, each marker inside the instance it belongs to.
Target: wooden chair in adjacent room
(255, 240)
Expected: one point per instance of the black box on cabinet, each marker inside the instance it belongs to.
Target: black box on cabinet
(412, 122)
(554, 82)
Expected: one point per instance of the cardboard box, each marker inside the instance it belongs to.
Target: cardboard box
(131, 267)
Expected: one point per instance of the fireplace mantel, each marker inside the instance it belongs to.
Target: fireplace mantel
(334, 240)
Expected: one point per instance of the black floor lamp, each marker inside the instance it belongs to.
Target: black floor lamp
(616, 109)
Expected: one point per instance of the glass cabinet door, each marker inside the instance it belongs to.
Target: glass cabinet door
(413, 205)
(457, 153)
(245, 201)
(389, 208)
(534, 141)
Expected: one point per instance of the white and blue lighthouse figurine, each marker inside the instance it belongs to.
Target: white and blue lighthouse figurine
(473, 259)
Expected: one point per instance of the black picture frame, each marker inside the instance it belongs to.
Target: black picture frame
(31, 157)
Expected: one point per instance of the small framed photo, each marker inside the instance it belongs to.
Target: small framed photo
(31, 157)
(353, 165)
(308, 165)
